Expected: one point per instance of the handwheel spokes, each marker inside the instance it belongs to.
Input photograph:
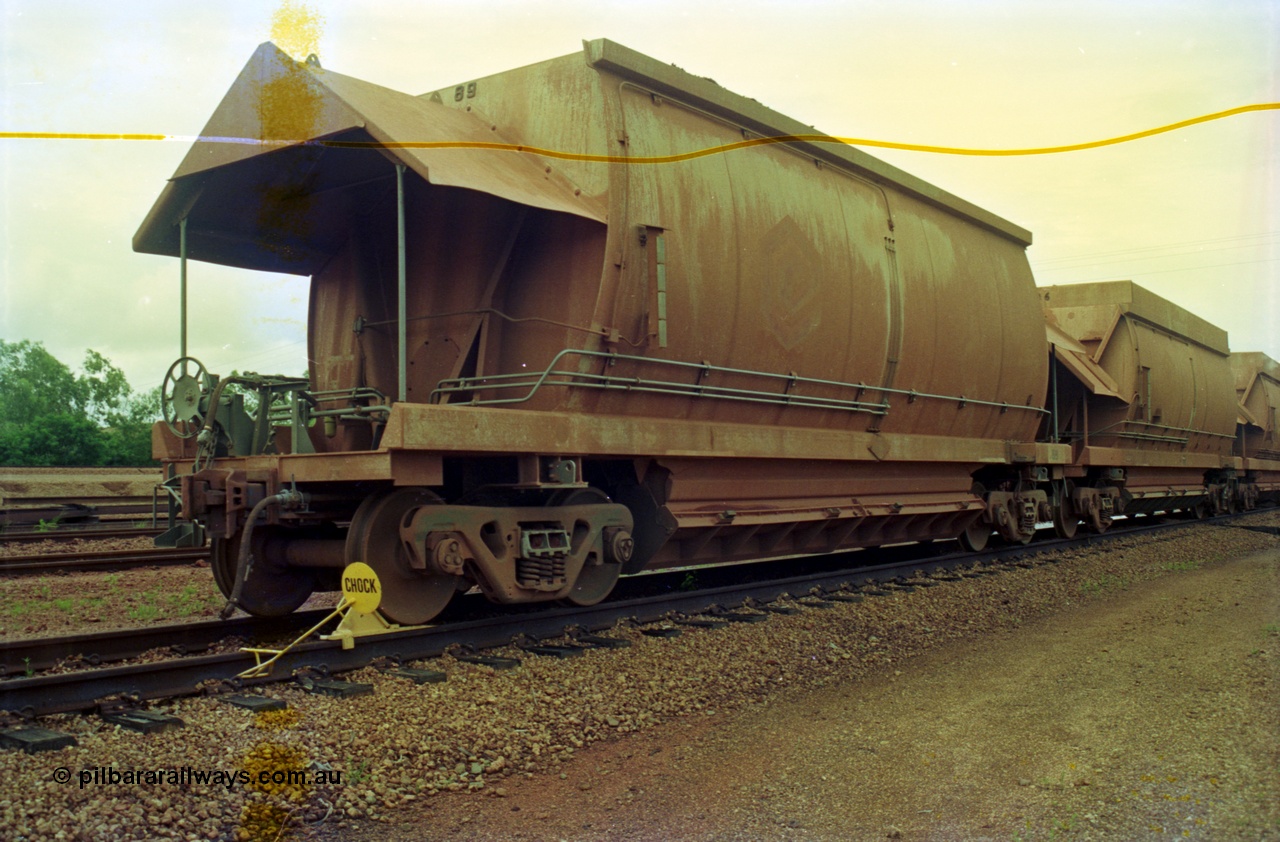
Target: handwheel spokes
(180, 395)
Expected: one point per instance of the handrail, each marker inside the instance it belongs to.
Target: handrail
(532, 382)
(1163, 427)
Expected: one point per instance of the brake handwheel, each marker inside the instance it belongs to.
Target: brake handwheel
(180, 397)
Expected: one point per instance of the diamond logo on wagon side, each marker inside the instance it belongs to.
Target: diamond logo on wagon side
(791, 270)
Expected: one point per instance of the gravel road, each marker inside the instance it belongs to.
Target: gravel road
(1144, 708)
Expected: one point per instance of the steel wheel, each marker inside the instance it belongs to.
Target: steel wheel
(976, 537)
(978, 534)
(1093, 528)
(269, 590)
(595, 581)
(1024, 538)
(1065, 520)
(409, 597)
(223, 563)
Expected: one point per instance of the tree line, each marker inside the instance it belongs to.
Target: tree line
(53, 416)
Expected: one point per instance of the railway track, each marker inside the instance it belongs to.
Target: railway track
(61, 503)
(89, 532)
(80, 562)
(661, 602)
(38, 654)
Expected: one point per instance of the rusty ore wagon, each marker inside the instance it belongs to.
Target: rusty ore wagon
(551, 343)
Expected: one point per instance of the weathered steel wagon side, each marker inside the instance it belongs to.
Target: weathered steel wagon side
(535, 370)
(1257, 382)
(1144, 395)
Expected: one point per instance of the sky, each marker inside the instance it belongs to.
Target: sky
(1192, 215)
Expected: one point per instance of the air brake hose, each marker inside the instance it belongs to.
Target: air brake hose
(206, 441)
(244, 560)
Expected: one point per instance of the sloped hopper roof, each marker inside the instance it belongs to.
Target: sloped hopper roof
(1077, 360)
(293, 148)
(1244, 416)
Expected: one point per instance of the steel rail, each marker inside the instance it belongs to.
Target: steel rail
(82, 691)
(36, 654)
(30, 565)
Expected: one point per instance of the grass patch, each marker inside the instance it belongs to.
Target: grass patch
(20, 608)
(66, 604)
(186, 602)
(112, 598)
(1105, 582)
(1179, 566)
(1064, 825)
(1057, 829)
(146, 611)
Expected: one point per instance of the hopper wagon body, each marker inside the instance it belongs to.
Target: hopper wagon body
(553, 340)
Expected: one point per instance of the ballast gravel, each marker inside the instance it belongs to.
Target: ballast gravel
(759, 731)
(85, 544)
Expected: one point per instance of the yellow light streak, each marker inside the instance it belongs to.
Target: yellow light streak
(667, 159)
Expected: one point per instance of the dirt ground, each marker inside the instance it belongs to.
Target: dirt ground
(1149, 712)
(72, 603)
